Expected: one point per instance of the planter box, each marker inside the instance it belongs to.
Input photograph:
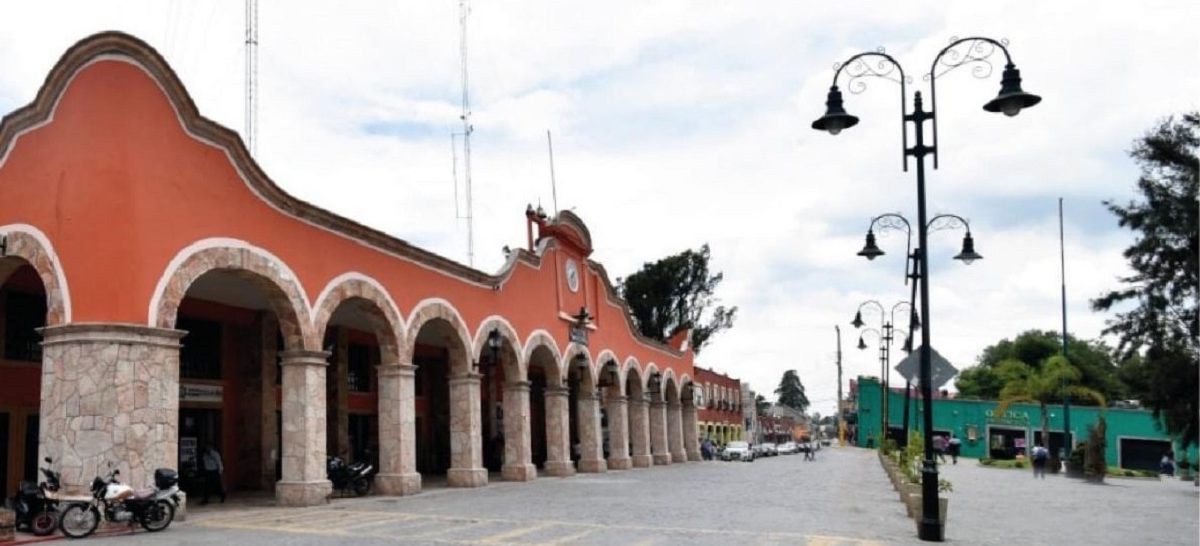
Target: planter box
(8, 519)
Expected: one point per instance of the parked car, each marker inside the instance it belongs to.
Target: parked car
(768, 450)
(738, 451)
(787, 448)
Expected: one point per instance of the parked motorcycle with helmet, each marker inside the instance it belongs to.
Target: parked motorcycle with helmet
(355, 477)
(36, 506)
(113, 501)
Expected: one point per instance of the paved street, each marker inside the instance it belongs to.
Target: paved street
(841, 499)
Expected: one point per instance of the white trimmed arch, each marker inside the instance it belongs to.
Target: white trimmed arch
(353, 285)
(542, 339)
(577, 350)
(31, 245)
(499, 323)
(431, 309)
(279, 283)
(602, 359)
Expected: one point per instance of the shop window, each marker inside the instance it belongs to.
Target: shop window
(200, 356)
(23, 314)
(358, 373)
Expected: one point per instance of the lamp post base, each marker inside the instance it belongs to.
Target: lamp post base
(931, 530)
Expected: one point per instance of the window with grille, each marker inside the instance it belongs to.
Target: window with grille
(358, 372)
(200, 355)
(23, 314)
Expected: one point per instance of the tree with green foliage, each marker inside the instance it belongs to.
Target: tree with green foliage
(1041, 385)
(791, 391)
(675, 293)
(1158, 321)
(1092, 359)
(761, 404)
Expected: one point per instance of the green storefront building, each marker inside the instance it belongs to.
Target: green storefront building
(1134, 438)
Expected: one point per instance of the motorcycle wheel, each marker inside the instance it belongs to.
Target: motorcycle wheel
(158, 516)
(79, 520)
(362, 486)
(44, 523)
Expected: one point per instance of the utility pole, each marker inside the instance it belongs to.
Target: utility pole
(841, 426)
(1062, 253)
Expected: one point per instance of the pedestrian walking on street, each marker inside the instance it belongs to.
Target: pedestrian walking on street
(955, 447)
(1040, 455)
(210, 463)
(939, 447)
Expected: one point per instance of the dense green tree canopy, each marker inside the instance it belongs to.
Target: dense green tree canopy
(1157, 317)
(674, 293)
(1092, 359)
(761, 404)
(791, 391)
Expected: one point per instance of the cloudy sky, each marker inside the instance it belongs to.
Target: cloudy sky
(678, 123)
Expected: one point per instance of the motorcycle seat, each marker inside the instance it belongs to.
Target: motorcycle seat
(29, 489)
(144, 494)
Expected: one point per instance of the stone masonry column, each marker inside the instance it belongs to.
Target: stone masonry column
(618, 433)
(675, 433)
(658, 432)
(466, 433)
(558, 433)
(639, 432)
(591, 439)
(518, 451)
(691, 443)
(304, 480)
(110, 393)
(397, 431)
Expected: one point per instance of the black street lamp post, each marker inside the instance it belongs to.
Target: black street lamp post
(886, 337)
(895, 221)
(1010, 101)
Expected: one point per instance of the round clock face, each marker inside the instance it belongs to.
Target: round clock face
(572, 276)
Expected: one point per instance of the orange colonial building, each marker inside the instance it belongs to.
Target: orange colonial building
(161, 293)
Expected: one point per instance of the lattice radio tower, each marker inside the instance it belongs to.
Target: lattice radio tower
(467, 129)
(251, 113)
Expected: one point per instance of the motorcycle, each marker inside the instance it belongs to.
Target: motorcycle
(36, 506)
(113, 501)
(355, 477)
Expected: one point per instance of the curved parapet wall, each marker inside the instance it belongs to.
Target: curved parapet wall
(114, 164)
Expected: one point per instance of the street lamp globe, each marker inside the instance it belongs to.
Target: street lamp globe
(1011, 99)
(870, 250)
(968, 254)
(835, 118)
(861, 344)
(858, 321)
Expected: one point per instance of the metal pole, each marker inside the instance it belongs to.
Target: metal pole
(1066, 396)
(912, 311)
(928, 528)
(841, 433)
(887, 381)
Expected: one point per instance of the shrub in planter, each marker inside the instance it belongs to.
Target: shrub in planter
(1075, 461)
(1019, 464)
(1094, 465)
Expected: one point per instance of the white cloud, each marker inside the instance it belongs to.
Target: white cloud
(677, 123)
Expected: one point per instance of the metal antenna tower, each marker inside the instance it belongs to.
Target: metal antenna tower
(251, 132)
(553, 183)
(467, 129)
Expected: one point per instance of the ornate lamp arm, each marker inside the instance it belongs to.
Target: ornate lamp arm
(856, 67)
(858, 322)
(977, 52)
(895, 221)
(948, 221)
